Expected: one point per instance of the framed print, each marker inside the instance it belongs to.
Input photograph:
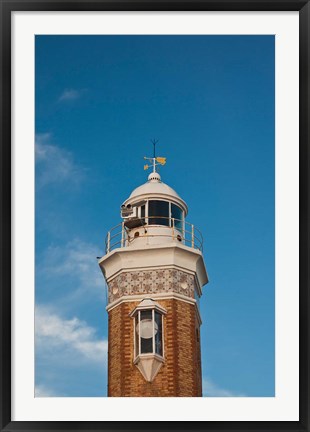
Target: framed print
(154, 215)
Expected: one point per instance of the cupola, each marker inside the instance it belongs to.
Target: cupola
(153, 214)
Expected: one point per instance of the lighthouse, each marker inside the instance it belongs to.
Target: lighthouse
(155, 271)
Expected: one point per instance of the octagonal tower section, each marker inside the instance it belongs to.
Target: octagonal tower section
(155, 272)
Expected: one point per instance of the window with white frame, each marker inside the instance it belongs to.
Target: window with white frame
(148, 332)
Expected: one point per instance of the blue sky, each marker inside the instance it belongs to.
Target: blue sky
(209, 100)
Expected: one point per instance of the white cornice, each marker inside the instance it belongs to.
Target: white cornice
(155, 256)
(161, 296)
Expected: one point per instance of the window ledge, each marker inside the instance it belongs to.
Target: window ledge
(149, 355)
(149, 365)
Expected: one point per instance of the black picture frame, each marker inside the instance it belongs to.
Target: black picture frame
(6, 8)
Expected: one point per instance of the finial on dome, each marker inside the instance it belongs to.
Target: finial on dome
(154, 177)
(155, 161)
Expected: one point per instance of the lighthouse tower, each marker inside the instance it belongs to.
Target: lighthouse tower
(155, 272)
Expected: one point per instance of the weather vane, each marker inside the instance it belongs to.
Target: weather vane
(154, 160)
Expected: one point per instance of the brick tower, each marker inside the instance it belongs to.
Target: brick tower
(155, 271)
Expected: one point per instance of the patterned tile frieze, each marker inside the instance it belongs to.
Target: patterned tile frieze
(151, 282)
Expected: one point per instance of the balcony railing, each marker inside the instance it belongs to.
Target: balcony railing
(178, 230)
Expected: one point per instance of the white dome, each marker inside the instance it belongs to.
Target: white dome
(155, 188)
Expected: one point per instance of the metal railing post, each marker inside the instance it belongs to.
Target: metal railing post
(189, 237)
(122, 241)
(193, 237)
(108, 245)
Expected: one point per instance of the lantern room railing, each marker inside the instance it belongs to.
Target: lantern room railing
(179, 230)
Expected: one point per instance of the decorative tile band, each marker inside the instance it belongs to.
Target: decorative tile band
(151, 282)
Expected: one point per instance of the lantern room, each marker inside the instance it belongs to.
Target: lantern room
(153, 214)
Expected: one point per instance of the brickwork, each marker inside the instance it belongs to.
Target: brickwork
(180, 375)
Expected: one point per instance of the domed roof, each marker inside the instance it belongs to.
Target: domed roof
(151, 187)
(155, 188)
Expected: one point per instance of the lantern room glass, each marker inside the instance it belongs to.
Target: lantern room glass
(158, 213)
(165, 213)
(177, 215)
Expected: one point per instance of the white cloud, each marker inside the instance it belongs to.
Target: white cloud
(42, 390)
(54, 164)
(75, 262)
(70, 94)
(210, 389)
(72, 340)
(70, 356)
